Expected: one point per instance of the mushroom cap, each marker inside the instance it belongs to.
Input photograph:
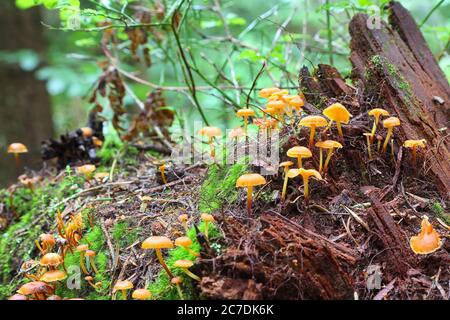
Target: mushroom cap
(245, 112)
(272, 123)
(328, 144)
(427, 241)
(157, 242)
(90, 253)
(176, 280)
(101, 175)
(298, 151)
(183, 217)
(82, 247)
(279, 93)
(183, 264)
(378, 112)
(183, 242)
(306, 173)
(87, 132)
(34, 287)
(250, 180)
(277, 105)
(415, 143)
(267, 92)
(86, 169)
(313, 121)
(292, 173)
(18, 297)
(17, 147)
(296, 101)
(141, 294)
(53, 276)
(207, 217)
(123, 285)
(337, 112)
(51, 259)
(286, 164)
(236, 132)
(47, 239)
(391, 122)
(368, 134)
(54, 297)
(210, 132)
(269, 110)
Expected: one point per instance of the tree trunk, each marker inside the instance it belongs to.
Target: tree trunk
(25, 114)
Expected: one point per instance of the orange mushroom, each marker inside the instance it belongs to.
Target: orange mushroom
(210, 132)
(427, 241)
(87, 132)
(183, 219)
(17, 148)
(162, 169)
(245, 113)
(313, 122)
(285, 165)
(158, 243)
(176, 281)
(250, 180)
(299, 153)
(141, 294)
(337, 112)
(331, 145)
(306, 174)
(184, 265)
(53, 276)
(267, 92)
(207, 218)
(413, 145)
(123, 286)
(376, 113)
(86, 170)
(47, 241)
(389, 123)
(185, 243)
(369, 138)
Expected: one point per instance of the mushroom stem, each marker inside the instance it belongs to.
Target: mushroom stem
(124, 294)
(327, 160)
(306, 187)
(249, 199)
(311, 136)
(386, 141)
(163, 264)
(378, 145)
(190, 274)
(283, 193)
(320, 160)
(374, 127)
(245, 124)
(299, 160)
(163, 175)
(17, 159)
(211, 147)
(83, 267)
(206, 230)
(413, 156)
(368, 146)
(185, 226)
(180, 293)
(339, 128)
(92, 263)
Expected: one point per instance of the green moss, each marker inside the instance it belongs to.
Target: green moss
(440, 212)
(124, 235)
(220, 186)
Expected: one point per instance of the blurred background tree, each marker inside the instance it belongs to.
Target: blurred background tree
(206, 65)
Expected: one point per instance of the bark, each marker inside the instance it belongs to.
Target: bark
(24, 102)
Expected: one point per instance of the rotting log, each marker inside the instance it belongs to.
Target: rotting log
(291, 261)
(395, 63)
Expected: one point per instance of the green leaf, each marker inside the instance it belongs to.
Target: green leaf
(26, 4)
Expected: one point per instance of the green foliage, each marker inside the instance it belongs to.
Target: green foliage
(440, 212)
(124, 235)
(220, 186)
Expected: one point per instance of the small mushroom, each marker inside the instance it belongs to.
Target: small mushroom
(183, 219)
(123, 286)
(245, 113)
(313, 122)
(327, 144)
(379, 139)
(267, 92)
(210, 132)
(47, 241)
(306, 174)
(185, 243)
(337, 112)
(369, 138)
(331, 144)
(184, 265)
(158, 243)
(427, 241)
(177, 281)
(87, 170)
(90, 254)
(18, 297)
(82, 248)
(299, 153)
(377, 113)
(206, 218)
(413, 145)
(389, 123)
(141, 294)
(17, 148)
(297, 103)
(90, 281)
(285, 165)
(38, 289)
(51, 260)
(250, 180)
(278, 106)
(162, 169)
(53, 276)
(54, 297)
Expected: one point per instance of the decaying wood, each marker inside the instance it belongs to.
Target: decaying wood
(395, 242)
(292, 262)
(395, 63)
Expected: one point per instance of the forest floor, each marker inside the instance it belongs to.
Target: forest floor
(350, 240)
